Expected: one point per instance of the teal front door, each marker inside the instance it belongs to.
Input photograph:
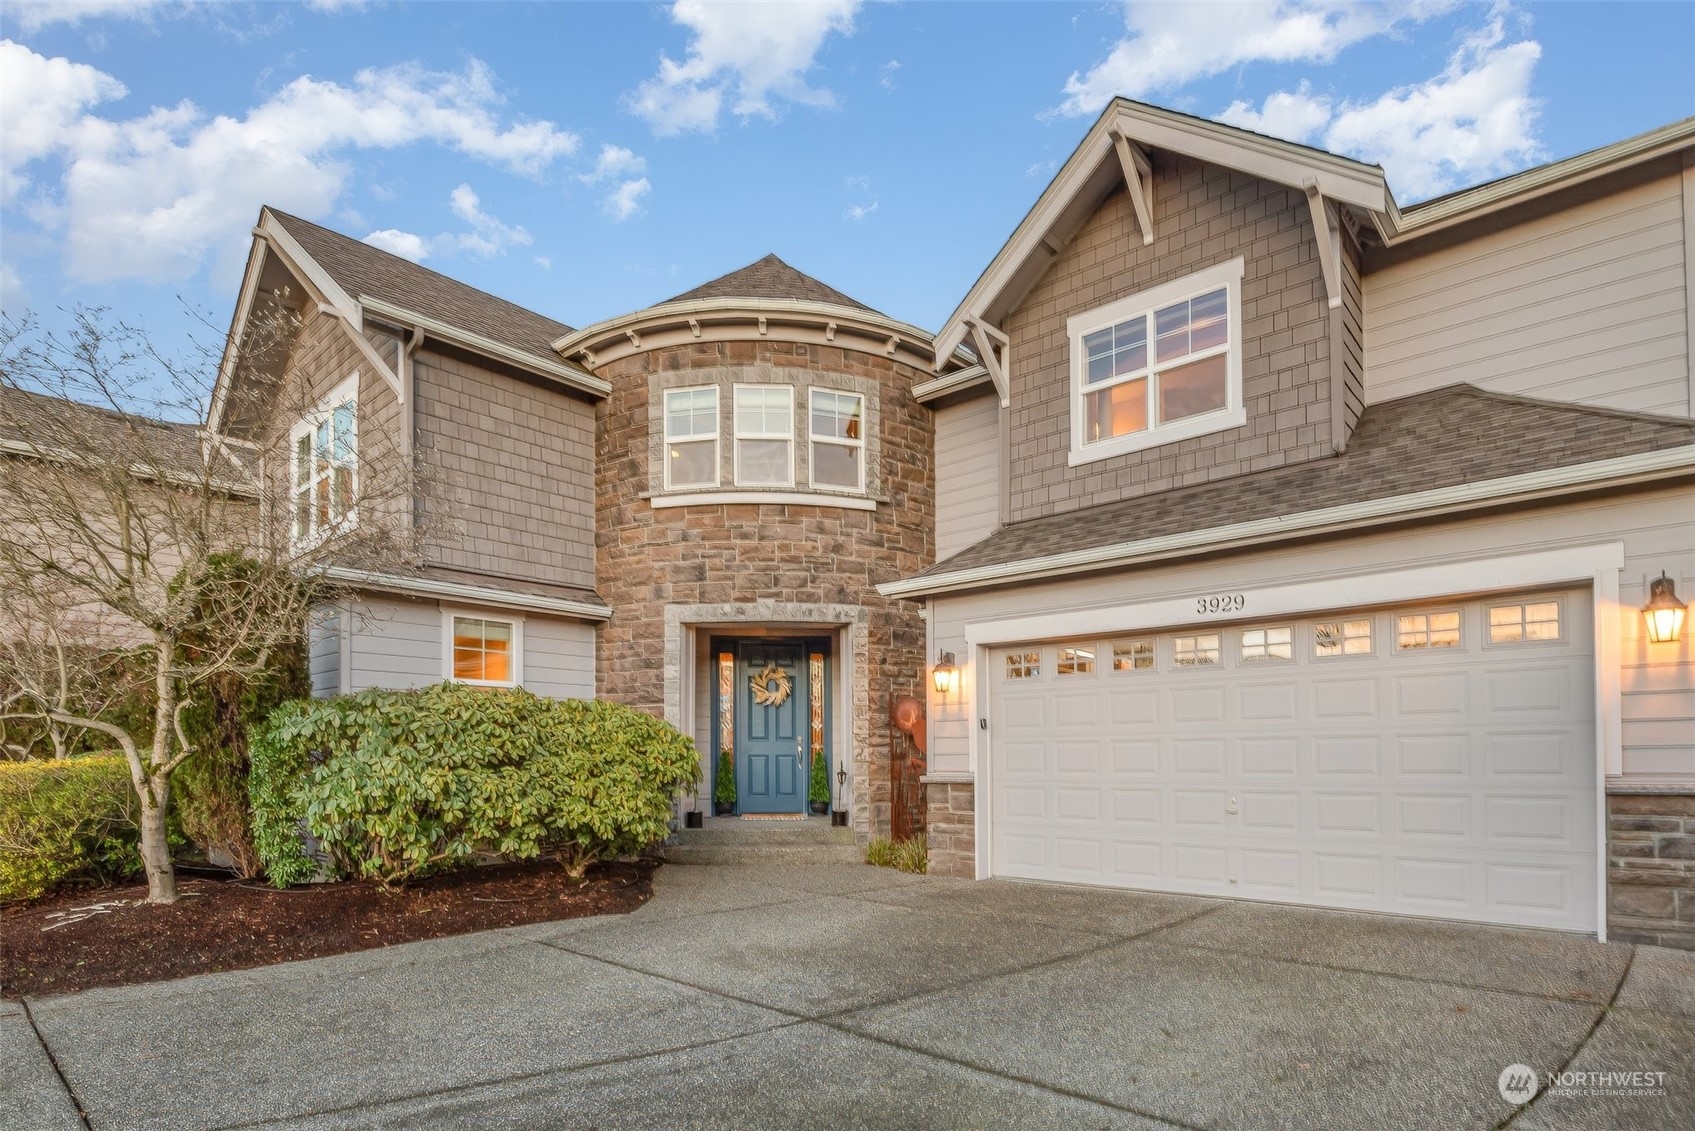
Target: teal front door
(771, 720)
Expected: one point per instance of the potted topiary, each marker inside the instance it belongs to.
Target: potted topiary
(818, 789)
(724, 789)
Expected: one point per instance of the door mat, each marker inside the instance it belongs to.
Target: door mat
(773, 816)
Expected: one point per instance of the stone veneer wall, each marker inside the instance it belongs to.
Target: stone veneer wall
(1651, 868)
(787, 554)
(950, 823)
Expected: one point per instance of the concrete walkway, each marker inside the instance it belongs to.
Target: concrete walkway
(848, 996)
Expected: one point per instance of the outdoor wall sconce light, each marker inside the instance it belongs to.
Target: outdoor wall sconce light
(945, 675)
(1663, 612)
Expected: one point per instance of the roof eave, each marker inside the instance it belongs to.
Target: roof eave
(476, 343)
(1645, 467)
(471, 594)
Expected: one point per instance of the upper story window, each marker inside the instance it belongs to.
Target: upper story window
(765, 429)
(1157, 367)
(691, 437)
(324, 465)
(837, 456)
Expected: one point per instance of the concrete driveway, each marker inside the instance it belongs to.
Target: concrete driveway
(856, 997)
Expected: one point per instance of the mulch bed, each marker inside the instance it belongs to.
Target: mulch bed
(222, 924)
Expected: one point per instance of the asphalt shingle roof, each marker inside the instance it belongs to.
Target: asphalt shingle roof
(770, 278)
(1443, 438)
(360, 269)
(60, 423)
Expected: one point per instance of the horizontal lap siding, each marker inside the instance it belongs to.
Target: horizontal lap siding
(1658, 681)
(1586, 305)
(323, 653)
(559, 658)
(968, 478)
(396, 644)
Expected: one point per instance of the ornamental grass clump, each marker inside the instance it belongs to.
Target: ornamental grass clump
(394, 785)
(906, 855)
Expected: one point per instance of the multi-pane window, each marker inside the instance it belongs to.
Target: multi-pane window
(484, 650)
(1075, 661)
(324, 475)
(1196, 651)
(691, 438)
(1133, 655)
(765, 432)
(1510, 624)
(837, 457)
(1023, 665)
(1342, 638)
(1427, 630)
(1165, 364)
(1268, 644)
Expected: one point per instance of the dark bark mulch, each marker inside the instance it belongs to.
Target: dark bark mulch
(229, 925)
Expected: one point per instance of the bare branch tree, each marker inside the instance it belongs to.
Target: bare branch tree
(123, 530)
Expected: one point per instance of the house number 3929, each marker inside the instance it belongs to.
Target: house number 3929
(1221, 603)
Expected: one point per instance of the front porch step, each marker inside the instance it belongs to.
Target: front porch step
(731, 840)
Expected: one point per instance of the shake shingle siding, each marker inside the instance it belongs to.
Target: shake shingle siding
(1204, 215)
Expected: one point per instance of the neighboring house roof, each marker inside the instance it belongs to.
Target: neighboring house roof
(769, 277)
(360, 270)
(40, 424)
(1450, 438)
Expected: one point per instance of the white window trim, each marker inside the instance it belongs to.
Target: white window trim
(666, 439)
(1242, 645)
(737, 436)
(1113, 646)
(448, 613)
(813, 440)
(1197, 636)
(1428, 649)
(347, 390)
(1234, 413)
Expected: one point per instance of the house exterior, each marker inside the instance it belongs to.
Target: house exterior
(1245, 533)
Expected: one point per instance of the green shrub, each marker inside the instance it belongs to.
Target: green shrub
(724, 783)
(398, 784)
(69, 817)
(906, 855)
(818, 789)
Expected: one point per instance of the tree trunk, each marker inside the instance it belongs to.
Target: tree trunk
(156, 842)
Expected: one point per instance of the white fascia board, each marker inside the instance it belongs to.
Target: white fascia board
(303, 267)
(523, 359)
(674, 312)
(1398, 226)
(238, 328)
(1644, 467)
(926, 391)
(473, 594)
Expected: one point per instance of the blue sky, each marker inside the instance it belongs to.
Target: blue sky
(587, 159)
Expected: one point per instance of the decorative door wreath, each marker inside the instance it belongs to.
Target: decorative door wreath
(772, 686)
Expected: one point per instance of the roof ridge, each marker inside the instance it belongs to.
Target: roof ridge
(769, 277)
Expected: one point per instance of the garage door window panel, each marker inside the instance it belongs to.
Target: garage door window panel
(1024, 665)
(1202, 651)
(1075, 661)
(1423, 632)
(1262, 644)
(1133, 656)
(1338, 638)
(1534, 622)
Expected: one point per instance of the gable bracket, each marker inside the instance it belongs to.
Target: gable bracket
(1327, 227)
(992, 350)
(1139, 179)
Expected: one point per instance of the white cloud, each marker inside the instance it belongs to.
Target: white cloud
(625, 200)
(1473, 121)
(150, 197)
(746, 55)
(886, 74)
(407, 245)
(544, 262)
(857, 212)
(1297, 115)
(1171, 44)
(614, 161)
(44, 98)
(14, 300)
(33, 15)
(488, 236)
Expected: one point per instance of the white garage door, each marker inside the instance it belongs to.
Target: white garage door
(1436, 760)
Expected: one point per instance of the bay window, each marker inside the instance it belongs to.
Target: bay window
(837, 456)
(691, 438)
(765, 432)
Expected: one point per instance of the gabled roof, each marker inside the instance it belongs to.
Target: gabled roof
(1430, 453)
(769, 277)
(29, 418)
(360, 269)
